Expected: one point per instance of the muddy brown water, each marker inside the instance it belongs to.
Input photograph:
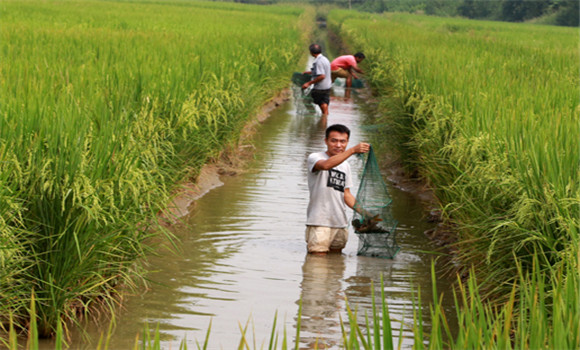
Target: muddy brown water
(244, 257)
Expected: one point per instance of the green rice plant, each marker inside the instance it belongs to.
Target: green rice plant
(544, 321)
(529, 319)
(376, 333)
(487, 113)
(106, 107)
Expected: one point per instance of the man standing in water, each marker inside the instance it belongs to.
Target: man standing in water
(329, 183)
(345, 66)
(321, 79)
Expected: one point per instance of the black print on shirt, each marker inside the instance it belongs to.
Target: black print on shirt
(336, 180)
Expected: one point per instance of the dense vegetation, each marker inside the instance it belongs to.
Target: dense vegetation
(557, 12)
(554, 12)
(105, 107)
(487, 113)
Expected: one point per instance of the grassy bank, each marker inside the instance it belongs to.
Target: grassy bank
(487, 113)
(105, 107)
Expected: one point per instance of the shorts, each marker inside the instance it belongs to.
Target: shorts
(340, 73)
(321, 239)
(320, 97)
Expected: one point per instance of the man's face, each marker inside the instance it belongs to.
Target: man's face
(358, 59)
(336, 143)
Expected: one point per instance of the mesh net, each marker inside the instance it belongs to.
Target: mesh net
(355, 84)
(302, 97)
(373, 221)
(300, 78)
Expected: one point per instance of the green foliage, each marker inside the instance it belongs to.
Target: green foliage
(487, 113)
(444, 8)
(105, 107)
(551, 12)
(568, 13)
(528, 319)
(466, 131)
(521, 10)
(531, 317)
(479, 9)
(499, 10)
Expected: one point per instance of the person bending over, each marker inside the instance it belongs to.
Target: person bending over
(345, 66)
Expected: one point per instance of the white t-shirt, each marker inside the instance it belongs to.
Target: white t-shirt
(320, 66)
(327, 207)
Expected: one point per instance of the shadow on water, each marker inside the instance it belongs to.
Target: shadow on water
(244, 256)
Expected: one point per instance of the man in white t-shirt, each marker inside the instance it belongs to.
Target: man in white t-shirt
(321, 79)
(329, 183)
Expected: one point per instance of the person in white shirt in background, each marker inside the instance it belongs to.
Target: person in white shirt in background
(321, 79)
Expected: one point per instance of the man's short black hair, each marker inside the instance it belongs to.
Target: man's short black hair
(338, 127)
(315, 49)
(360, 55)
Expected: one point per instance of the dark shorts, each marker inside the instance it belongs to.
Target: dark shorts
(320, 97)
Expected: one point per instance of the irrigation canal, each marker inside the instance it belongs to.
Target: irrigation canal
(244, 256)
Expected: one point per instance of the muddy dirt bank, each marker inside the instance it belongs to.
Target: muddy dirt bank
(230, 162)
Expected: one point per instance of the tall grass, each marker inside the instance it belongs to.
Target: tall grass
(534, 316)
(487, 112)
(105, 107)
(546, 322)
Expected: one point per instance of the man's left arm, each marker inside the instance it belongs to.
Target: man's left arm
(349, 199)
(351, 202)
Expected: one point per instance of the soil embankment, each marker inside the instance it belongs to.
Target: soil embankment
(230, 162)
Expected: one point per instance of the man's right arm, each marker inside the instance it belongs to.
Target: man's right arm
(341, 157)
(313, 81)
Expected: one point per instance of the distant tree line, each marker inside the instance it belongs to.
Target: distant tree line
(557, 12)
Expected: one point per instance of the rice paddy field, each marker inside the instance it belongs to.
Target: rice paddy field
(487, 113)
(105, 107)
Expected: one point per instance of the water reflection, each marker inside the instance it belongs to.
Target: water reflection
(322, 300)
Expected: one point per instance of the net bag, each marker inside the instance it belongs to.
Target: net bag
(372, 221)
(356, 83)
(298, 79)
